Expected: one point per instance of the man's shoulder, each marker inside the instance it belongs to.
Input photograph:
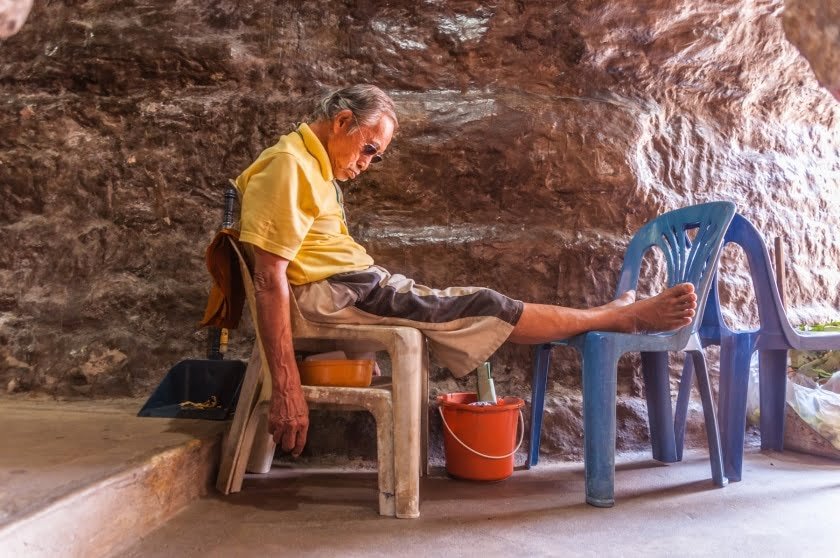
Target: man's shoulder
(282, 153)
(287, 154)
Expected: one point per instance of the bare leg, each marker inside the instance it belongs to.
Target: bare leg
(670, 309)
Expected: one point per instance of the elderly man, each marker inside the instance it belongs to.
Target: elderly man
(293, 219)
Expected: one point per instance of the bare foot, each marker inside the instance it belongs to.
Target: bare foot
(627, 298)
(671, 309)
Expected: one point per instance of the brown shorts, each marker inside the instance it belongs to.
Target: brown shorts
(464, 325)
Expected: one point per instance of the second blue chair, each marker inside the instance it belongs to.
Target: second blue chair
(688, 259)
(771, 339)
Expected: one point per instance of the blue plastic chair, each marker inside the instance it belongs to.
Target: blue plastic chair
(771, 339)
(688, 260)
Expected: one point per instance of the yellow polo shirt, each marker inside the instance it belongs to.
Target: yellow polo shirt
(292, 208)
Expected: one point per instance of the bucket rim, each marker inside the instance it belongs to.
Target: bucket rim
(509, 403)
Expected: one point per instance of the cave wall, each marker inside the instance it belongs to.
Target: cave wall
(535, 138)
(814, 27)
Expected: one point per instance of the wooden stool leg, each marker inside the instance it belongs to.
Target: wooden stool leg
(262, 451)
(424, 413)
(247, 443)
(232, 443)
(406, 397)
(383, 414)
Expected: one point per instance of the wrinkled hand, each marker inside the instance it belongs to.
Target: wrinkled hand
(288, 420)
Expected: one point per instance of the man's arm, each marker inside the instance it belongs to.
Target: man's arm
(288, 419)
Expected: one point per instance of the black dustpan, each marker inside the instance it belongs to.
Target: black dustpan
(193, 382)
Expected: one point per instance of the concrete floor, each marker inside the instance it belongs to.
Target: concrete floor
(787, 505)
(90, 479)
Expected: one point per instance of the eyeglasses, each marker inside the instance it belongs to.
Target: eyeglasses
(372, 152)
(368, 149)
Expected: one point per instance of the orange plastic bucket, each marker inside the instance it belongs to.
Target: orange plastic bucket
(479, 442)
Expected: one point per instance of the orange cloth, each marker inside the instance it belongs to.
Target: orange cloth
(227, 295)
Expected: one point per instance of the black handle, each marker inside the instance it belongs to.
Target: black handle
(214, 336)
(230, 206)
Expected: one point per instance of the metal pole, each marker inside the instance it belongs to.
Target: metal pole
(779, 253)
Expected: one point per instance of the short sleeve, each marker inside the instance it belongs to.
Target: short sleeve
(278, 207)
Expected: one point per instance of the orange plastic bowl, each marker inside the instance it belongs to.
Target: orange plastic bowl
(339, 373)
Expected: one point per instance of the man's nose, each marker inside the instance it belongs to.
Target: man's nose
(363, 162)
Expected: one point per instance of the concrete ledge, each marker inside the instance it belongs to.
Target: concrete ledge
(101, 497)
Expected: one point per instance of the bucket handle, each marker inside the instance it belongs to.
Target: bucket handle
(520, 423)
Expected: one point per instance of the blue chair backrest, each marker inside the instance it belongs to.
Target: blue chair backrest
(771, 312)
(713, 326)
(689, 260)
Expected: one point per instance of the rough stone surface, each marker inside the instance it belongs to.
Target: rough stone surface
(535, 137)
(814, 27)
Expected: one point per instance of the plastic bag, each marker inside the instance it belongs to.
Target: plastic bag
(833, 383)
(814, 387)
(817, 406)
(817, 365)
(753, 400)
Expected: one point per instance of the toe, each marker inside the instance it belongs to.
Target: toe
(686, 288)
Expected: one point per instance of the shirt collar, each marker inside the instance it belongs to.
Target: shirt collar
(316, 149)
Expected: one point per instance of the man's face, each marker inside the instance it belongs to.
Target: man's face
(351, 149)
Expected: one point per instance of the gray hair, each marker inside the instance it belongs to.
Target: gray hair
(368, 104)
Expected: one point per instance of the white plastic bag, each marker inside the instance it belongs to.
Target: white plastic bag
(833, 383)
(817, 406)
(753, 401)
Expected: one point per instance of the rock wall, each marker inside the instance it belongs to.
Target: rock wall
(814, 27)
(535, 137)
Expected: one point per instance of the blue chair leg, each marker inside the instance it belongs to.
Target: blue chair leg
(539, 382)
(658, 394)
(772, 385)
(712, 433)
(599, 367)
(735, 352)
(683, 397)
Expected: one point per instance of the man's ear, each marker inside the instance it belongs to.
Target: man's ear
(342, 121)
